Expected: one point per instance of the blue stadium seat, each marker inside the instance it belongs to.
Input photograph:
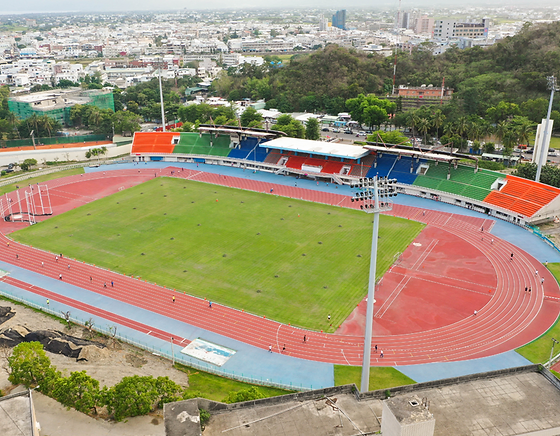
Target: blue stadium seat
(384, 165)
(401, 170)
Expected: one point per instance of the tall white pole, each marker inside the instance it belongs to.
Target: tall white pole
(364, 386)
(161, 100)
(543, 151)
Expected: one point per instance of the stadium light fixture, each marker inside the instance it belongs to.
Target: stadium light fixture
(372, 190)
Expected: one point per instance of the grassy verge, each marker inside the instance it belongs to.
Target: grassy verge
(538, 351)
(379, 377)
(554, 142)
(40, 179)
(217, 388)
(247, 250)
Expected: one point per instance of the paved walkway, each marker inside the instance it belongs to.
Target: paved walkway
(254, 361)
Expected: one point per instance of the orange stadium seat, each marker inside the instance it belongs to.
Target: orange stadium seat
(523, 196)
(153, 142)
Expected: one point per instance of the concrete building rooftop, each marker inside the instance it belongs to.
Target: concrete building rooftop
(519, 402)
(17, 415)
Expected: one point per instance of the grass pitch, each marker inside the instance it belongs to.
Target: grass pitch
(290, 260)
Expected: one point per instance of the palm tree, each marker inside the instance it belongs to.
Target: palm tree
(423, 125)
(501, 131)
(437, 121)
(462, 126)
(47, 123)
(95, 117)
(486, 129)
(475, 130)
(524, 132)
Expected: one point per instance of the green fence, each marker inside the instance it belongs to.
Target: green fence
(52, 140)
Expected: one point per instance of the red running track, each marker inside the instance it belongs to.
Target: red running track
(508, 318)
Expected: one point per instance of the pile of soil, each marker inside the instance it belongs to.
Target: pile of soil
(53, 341)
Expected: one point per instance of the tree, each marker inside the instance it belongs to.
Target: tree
(292, 127)
(392, 137)
(28, 164)
(423, 127)
(370, 110)
(438, 120)
(502, 111)
(312, 129)
(167, 391)
(125, 121)
(489, 147)
(79, 391)
(249, 116)
(132, 396)
(28, 364)
(252, 393)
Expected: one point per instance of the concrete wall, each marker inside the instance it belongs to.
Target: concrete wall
(61, 154)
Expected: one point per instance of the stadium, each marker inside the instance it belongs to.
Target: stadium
(241, 252)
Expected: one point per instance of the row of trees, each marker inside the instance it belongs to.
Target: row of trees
(509, 128)
(104, 121)
(132, 396)
(549, 173)
(29, 365)
(195, 114)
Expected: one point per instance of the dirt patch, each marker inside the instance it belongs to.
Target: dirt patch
(108, 365)
(135, 361)
(551, 231)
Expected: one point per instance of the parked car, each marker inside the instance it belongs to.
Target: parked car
(325, 129)
(348, 131)
(336, 130)
(361, 133)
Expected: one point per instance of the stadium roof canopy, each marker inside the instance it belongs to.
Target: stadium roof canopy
(320, 148)
(442, 157)
(229, 130)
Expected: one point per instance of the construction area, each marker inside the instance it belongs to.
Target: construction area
(58, 102)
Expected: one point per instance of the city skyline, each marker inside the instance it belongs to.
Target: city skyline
(67, 6)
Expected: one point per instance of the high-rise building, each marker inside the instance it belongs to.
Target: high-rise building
(323, 23)
(339, 19)
(452, 29)
(404, 20)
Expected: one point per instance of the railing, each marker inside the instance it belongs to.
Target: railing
(52, 140)
(537, 232)
(32, 174)
(165, 352)
(409, 190)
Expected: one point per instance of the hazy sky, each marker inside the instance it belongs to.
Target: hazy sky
(37, 6)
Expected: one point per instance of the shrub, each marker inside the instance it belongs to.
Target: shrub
(28, 364)
(253, 393)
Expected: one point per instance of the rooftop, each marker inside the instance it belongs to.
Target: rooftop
(17, 414)
(317, 147)
(518, 401)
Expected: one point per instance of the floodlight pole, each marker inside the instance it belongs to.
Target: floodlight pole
(161, 99)
(543, 152)
(371, 205)
(364, 386)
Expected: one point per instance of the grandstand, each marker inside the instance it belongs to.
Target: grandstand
(462, 180)
(424, 173)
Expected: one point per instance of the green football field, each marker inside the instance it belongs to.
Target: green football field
(290, 260)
